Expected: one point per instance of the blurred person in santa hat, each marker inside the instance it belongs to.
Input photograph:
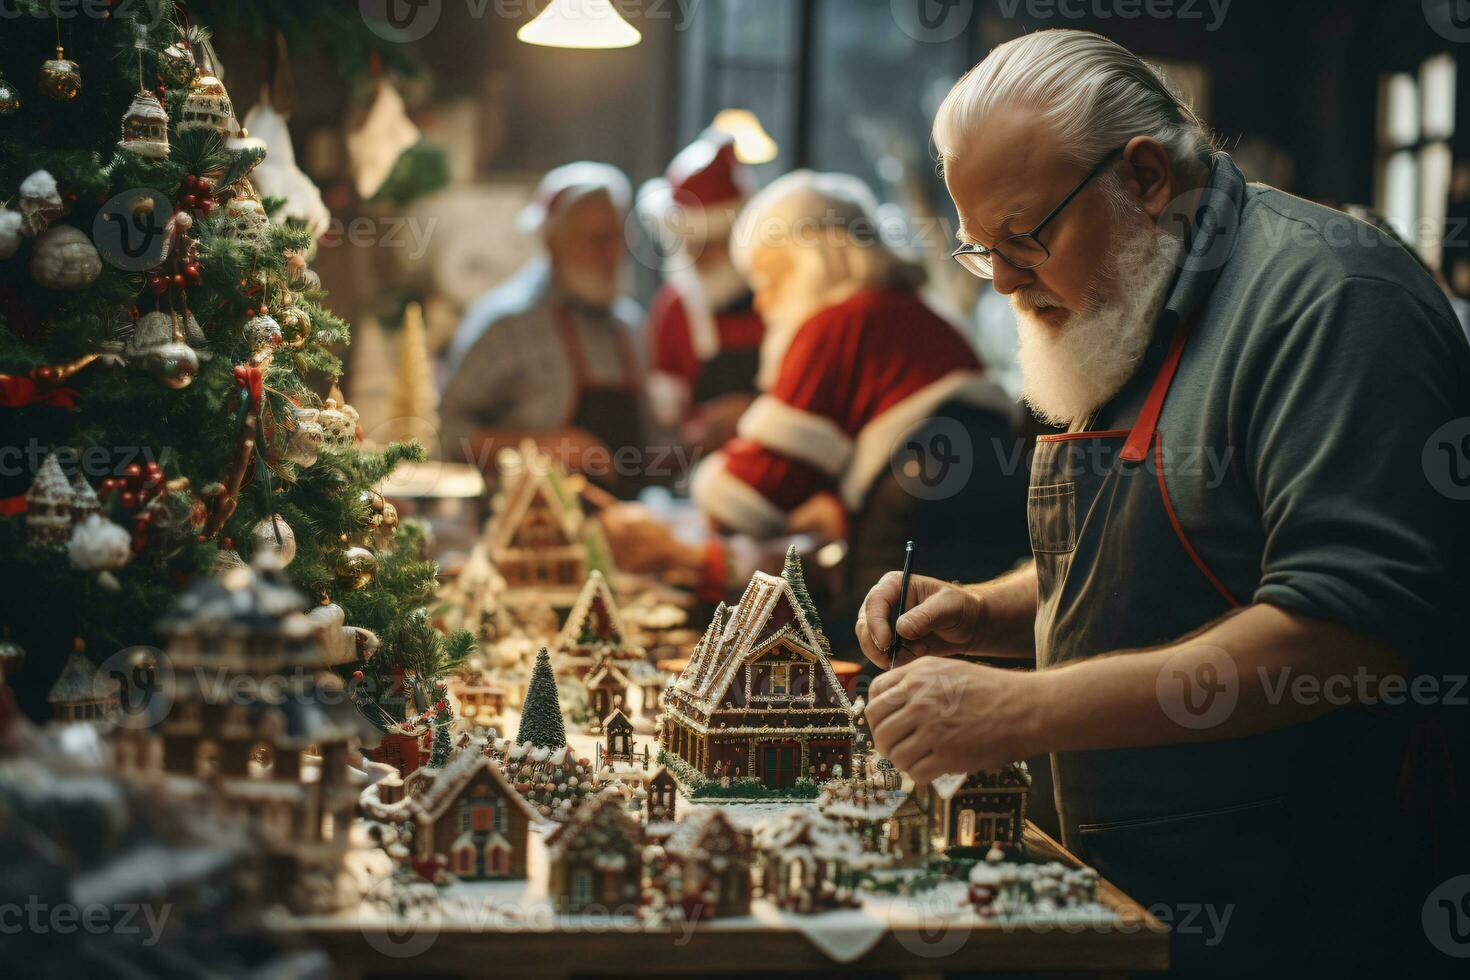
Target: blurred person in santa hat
(551, 355)
(862, 384)
(704, 334)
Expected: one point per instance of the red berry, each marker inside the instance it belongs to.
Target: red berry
(129, 499)
(357, 675)
(250, 313)
(157, 285)
(46, 374)
(178, 280)
(133, 469)
(193, 271)
(189, 201)
(229, 543)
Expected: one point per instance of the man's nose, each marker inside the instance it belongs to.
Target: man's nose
(1008, 278)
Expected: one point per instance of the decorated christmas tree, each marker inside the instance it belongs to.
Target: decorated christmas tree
(163, 338)
(541, 722)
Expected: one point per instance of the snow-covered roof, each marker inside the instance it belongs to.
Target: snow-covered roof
(527, 475)
(690, 833)
(79, 682)
(607, 808)
(443, 787)
(803, 834)
(244, 601)
(617, 717)
(856, 799)
(737, 635)
(605, 668)
(50, 485)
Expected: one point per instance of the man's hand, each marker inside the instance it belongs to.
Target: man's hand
(940, 619)
(934, 716)
(640, 542)
(822, 516)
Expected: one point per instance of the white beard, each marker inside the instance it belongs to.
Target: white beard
(592, 286)
(813, 288)
(1071, 370)
(719, 285)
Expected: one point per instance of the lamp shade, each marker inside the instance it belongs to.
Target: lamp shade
(582, 24)
(753, 145)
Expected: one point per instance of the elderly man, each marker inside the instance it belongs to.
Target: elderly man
(1235, 536)
(551, 354)
(854, 367)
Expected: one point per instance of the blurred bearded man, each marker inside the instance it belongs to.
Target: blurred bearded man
(551, 354)
(704, 335)
(1243, 514)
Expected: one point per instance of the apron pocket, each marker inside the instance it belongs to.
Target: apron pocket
(1225, 881)
(1051, 516)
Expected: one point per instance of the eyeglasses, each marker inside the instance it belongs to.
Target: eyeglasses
(1023, 251)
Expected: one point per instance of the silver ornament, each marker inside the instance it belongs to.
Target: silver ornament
(65, 258)
(263, 535)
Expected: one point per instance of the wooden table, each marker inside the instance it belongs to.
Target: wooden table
(1139, 943)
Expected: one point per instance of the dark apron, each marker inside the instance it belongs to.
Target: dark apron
(728, 372)
(1286, 832)
(612, 413)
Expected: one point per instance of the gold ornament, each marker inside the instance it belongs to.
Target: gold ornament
(9, 97)
(61, 79)
(356, 567)
(145, 129)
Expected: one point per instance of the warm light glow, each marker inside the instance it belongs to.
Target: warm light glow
(580, 24)
(753, 145)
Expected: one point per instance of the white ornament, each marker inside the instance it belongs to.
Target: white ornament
(279, 176)
(40, 202)
(208, 107)
(10, 222)
(245, 218)
(65, 258)
(98, 545)
(264, 537)
(386, 132)
(339, 424)
(145, 128)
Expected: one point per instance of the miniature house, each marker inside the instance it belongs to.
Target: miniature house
(596, 858)
(607, 690)
(208, 107)
(594, 632)
(618, 733)
(662, 797)
(145, 127)
(892, 824)
(467, 818)
(758, 697)
(536, 534)
(49, 505)
(989, 807)
(477, 692)
(712, 859)
(285, 763)
(807, 861)
(80, 693)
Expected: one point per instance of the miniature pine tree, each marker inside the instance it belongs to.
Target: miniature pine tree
(541, 722)
(796, 578)
(443, 719)
(415, 398)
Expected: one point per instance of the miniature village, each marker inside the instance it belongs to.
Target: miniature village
(560, 763)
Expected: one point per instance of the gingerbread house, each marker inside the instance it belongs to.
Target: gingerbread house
(891, 824)
(988, 807)
(808, 862)
(618, 738)
(597, 858)
(468, 819)
(661, 797)
(480, 695)
(607, 689)
(709, 858)
(284, 761)
(535, 531)
(759, 697)
(50, 505)
(80, 692)
(594, 631)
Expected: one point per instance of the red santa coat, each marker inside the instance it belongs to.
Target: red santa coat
(698, 353)
(853, 380)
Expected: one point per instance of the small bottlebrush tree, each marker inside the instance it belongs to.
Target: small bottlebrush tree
(541, 721)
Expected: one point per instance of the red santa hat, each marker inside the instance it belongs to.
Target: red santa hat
(700, 195)
(567, 184)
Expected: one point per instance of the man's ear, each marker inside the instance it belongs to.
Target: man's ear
(1149, 175)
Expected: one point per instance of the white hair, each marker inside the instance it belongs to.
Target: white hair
(827, 215)
(1095, 93)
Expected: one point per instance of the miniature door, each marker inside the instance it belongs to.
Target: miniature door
(779, 763)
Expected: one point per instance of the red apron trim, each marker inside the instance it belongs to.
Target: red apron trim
(1068, 436)
(1179, 530)
(1136, 449)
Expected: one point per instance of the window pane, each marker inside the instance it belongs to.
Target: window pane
(1435, 163)
(1398, 121)
(1437, 96)
(1400, 193)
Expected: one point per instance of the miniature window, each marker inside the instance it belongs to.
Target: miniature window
(581, 886)
(484, 816)
(967, 828)
(781, 679)
(497, 858)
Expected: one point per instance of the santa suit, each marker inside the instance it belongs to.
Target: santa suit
(851, 381)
